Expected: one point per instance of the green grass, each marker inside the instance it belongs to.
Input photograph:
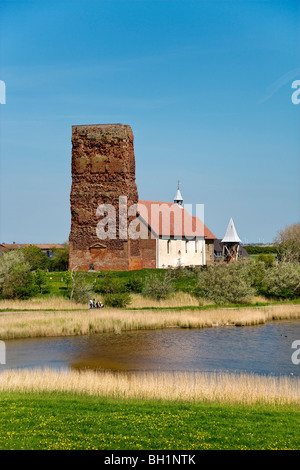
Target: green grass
(185, 282)
(57, 285)
(214, 306)
(63, 421)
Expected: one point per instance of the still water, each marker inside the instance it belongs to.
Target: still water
(265, 349)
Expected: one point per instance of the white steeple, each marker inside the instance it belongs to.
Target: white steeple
(178, 198)
(231, 235)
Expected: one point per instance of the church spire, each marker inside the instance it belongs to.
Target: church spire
(231, 235)
(178, 198)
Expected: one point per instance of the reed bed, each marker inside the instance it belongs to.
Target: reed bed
(68, 323)
(195, 387)
(41, 303)
(178, 299)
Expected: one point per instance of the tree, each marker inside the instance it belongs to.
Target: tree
(288, 243)
(16, 279)
(19, 283)
(35, 257)
(67, 279)
(81, 290)
(158, 287)
(60, 261)
(41, 281)
(7, 261)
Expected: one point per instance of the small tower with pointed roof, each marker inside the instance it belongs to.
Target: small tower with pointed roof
(231, 243)
(178, 198)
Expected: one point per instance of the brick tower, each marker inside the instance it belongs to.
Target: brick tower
(103, 170)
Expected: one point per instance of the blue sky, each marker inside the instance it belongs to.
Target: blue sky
(205, 86)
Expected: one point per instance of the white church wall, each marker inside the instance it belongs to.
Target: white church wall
(183, 252)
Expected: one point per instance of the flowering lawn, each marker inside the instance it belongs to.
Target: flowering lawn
(64, 421)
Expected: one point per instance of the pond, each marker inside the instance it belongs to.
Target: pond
(265, 349)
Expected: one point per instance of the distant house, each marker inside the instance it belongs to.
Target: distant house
(45, 247)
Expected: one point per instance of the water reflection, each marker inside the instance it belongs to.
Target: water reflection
(262, 349)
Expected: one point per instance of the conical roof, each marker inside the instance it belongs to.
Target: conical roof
(178, 196)
(231, 235)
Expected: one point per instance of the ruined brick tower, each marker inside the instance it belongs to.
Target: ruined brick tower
(103, 169)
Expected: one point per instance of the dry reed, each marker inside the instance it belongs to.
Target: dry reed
(67, 323)
(220, 387)
(41, 303)
(178, 299)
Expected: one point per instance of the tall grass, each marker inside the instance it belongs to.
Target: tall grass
(42, 303)
(66, 323)
(177, 299)
(220, 387)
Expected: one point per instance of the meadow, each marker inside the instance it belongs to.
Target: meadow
(63, 421)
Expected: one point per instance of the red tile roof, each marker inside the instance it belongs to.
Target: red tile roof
(169, 219)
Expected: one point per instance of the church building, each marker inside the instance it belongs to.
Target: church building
(173, 238)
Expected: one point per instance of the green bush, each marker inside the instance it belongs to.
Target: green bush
(40, 279)
(135, 284)
(158, 287)
(16, 279)
(108, 284)
(268, 259)
(256, 271)
(281, 280)
(115, 291)
(19, 283)
(121, 299)
(82, 291)
(225, 284)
